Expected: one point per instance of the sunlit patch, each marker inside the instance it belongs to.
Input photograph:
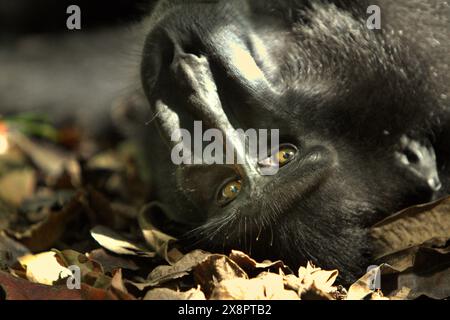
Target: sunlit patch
(245, 64)
(4, 144)
(44, 268)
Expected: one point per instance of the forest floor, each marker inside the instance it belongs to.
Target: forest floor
(75, 224)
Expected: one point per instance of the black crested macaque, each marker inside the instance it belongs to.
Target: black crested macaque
(363, 118)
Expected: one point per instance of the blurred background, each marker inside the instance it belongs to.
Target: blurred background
(60, 91)
(71, 77)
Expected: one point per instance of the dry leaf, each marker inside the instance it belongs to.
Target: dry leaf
(118, 286)
(321, 279)
(164, 273)
(168, 294)
(20, 289)
(109, 160)
(17, 185)
(44, 268)
(412, 227)
(401, 294)
(364, 287)
(267, 286)
(110, 262)
(73, 258)
(435, 285)
(415, 243)
(429, 256)
(249, 264)
(215, 269)
(181, 268)
(114, 242)
(50, 160)
(10, 250)
(377, 295)
(44, 234)
(156, 239)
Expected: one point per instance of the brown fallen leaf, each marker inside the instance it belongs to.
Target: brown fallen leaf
(364, 288)
(250, 265)
(118, 286)
(313, 293)
(51, 160)
(183, 266)
(314, 283)
(101, 211)
(412, 227)
(108, 160)
(431, 255)
(10, 250)
(435, 285)
(168, 294)
(14, 288)
(91, 272)
(111, 262)
(267, 286)
(21, 289)
(313, 277)
(17, 185)
(73, 258)
(159, 241)
(415, 243)
(8, 215)
(215, 269)
(91, 293)
(44, 234)
(118, 172)
(165, 273)
(378, 295)
(361, 288)
(401, 294)
(420, 270)
(13, 158)
(52, 268)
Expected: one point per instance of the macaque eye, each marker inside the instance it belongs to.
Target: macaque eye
(229, 192)
(285, 155)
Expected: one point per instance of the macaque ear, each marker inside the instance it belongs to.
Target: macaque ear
(157, 57)
(160, 87)
(180, 80)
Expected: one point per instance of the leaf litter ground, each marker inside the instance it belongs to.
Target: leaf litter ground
(66, 201)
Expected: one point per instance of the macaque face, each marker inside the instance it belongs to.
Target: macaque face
(354, 113)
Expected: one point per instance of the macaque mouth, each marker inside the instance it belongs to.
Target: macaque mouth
(418, 159)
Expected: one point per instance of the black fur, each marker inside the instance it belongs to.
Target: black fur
(335, 89)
